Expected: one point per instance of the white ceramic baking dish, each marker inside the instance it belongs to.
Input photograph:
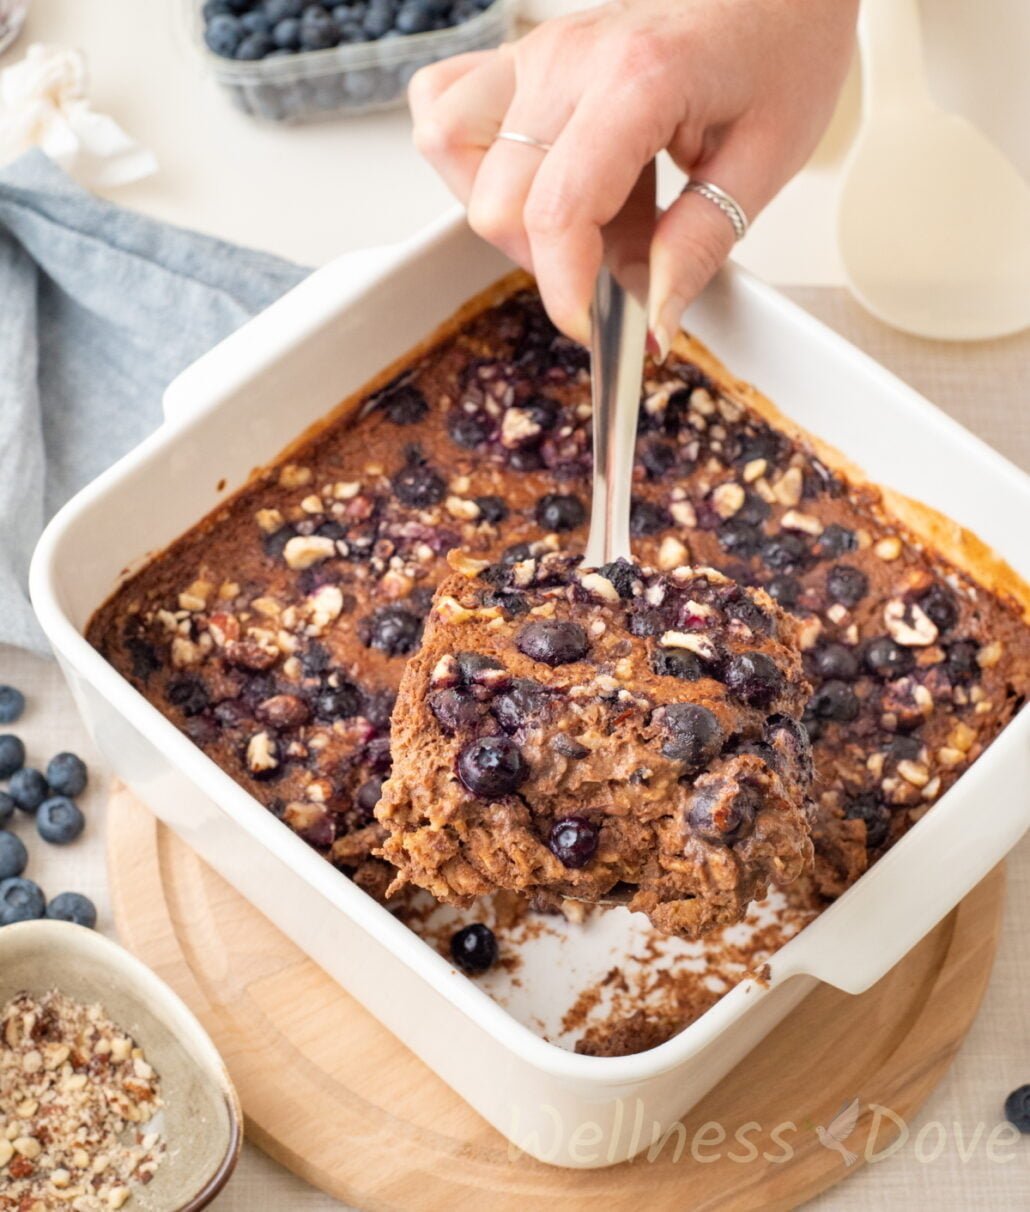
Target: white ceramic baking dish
(237, 408)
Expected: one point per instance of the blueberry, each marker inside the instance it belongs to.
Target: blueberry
(28, 788)
(835, 541)
(377, 23)
(742, 607)
(413, 18)
(467, 430)
(1017, 1108)
(658, 458)
(524, 700)
(73, 907)
(573, 841)
(835, 661)
(960, 662)
(623, 574)
(223, 34)
(189, 695)
(754, 511)
(905, 748)
(12, 755)
(317, 29)
(784, 589)
(694, 734)
(21, 900)
(645, 517)
(544, 411)
(255, 22)
(456, 710)
(369, 794)
(677, 663)
(338, 702)
(419, 486)
(474, 948)
(556, 512)
(473, 665)
(492, 509)
(785, 552)
(846, 584)
(59, 820)
(553, 641)
(211, 8)
(875, 815)
(6, 807)
(938, 604)
(404, 405)
(392, 629)
(66, 774)
(13, 855)
(286, 34)
(280, 10)
(739, 538)
(722, 811)
(753, 677)
(12, 704)
(834, 700)
(888, 659)
(492, 767)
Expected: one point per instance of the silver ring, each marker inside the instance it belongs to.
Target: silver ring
(513, 136)
(729, 205)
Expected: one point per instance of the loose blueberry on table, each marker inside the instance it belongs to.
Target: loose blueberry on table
(566, 751)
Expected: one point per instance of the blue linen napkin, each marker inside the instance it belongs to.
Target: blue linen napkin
(100, 308)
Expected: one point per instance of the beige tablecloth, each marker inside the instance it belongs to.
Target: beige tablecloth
(982, 386)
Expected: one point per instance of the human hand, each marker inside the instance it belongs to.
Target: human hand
(737, 91)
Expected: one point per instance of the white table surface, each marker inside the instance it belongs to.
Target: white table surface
(312, 192)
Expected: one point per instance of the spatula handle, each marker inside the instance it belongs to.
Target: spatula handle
(891, 41)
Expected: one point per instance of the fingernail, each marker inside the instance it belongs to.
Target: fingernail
(667, 325)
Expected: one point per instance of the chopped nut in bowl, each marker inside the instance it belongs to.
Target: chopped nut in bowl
(111, 1093)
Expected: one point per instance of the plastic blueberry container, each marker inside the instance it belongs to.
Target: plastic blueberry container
(355, 78)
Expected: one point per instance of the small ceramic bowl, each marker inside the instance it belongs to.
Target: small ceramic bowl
(201, 1118)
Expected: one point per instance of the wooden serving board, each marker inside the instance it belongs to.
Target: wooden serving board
(332, 1095)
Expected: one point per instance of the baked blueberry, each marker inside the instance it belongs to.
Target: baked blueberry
(28, 788)
(754, 511)
(553, 641)
(477, 667)
(846, 584)
(455, 709)
(875, 816)
(573, 841)
(694, 735)
(59, 820)
(677, 663)
(645, 517)
(392, 629)
(474, 948)
(559, 512)
(1017, 1108)
(13, 855)
(12, 754)
(754, 678)
(523, 701)
(338, 702)
(419, 486)
(274, 544)
(12, 704)
(6, 807)
(73, 907)
(940, 607)
(492, 767)
(368, 795)
(492, 509)
(784, 589)
(67, 775)
(785, 552)
(189, 695)
(888, 659)
(721, 810)
(835, 661)
(739, 538)
(834, 700)
(835, 541)
(657, 457)
(742, 607)
(465, 428)
(623, 574)
(21, 900)
(404, 405)
(960, 661)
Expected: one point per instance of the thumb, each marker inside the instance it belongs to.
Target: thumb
(694, 237)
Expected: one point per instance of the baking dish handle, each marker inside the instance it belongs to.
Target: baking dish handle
(921, 879)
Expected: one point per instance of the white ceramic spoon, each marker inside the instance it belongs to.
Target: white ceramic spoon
(933, 221)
